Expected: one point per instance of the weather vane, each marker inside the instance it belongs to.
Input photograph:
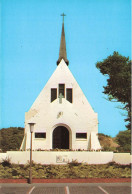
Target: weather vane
(63, 16)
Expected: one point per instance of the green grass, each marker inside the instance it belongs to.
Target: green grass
(71, 170)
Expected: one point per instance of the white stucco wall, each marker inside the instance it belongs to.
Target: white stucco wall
(122, 158)
(57, 157)
(53, 157)
(76, 116)
(3, 156)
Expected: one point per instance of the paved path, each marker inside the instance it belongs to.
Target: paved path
(62, 188)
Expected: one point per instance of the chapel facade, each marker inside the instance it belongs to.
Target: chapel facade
(63, 117)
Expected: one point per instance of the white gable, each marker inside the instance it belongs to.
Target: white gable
(62, 74)
(77, 117)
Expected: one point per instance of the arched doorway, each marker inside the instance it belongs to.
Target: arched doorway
(61, 138)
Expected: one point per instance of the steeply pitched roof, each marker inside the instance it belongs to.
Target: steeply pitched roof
(62, 53)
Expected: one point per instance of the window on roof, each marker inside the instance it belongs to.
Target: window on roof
(62, 90)
(40, 135)
(53, 94)
(81, 135)
(69, 94)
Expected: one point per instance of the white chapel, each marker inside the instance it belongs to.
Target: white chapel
(63, 117)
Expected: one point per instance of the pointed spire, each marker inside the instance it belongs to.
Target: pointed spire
(62, 53)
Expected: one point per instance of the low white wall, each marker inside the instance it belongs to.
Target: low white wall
(3, 156)
(54, 157)
(122, 158)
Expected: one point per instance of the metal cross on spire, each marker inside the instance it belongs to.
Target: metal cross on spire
(63, 16)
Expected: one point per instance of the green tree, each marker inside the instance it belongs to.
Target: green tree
(11, 138)
(118, 70)
(124, 140)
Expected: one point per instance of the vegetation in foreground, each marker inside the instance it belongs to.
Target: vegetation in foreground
(70, 170)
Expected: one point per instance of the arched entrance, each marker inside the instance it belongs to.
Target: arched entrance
(61, 138)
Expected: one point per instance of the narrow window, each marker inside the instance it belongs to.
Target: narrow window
(40, 135)
(53, 94)
(62, 90)
(81, 135)
(69, 94)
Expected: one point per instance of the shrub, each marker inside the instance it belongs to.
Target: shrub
(74, 163)
(6, 162)
(124, 140)
(74, 169)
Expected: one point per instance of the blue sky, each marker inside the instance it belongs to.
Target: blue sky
(30, 40)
